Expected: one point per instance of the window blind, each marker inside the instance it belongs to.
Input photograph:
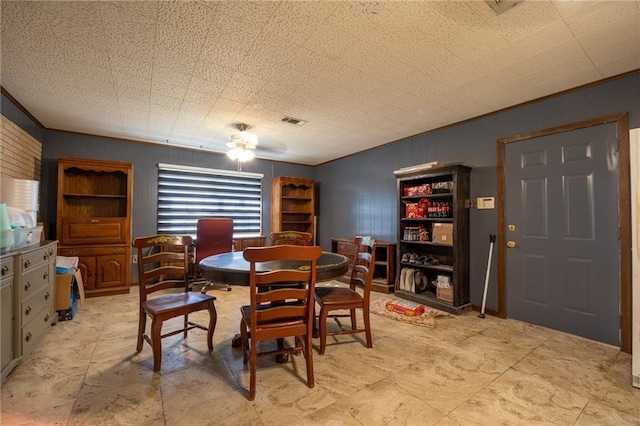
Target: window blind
(187, 193)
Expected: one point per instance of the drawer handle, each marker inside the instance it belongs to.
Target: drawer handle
(95, 221)
(5, 269)
(27, 286)
(27, 263)
(46, 296)
(28, 310)
(45, 256)
(28, 337)
(46, 318)
(45, 275)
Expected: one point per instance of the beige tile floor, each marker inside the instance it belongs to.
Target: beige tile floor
(464, 371)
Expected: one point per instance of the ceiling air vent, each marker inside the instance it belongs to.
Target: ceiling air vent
(501, 6)
(295, 121)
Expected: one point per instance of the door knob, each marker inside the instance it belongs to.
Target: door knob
(511, 244)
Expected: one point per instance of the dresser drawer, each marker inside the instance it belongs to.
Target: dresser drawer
(32, 259)
(32, 306)
(34, 330)
(6, 267)
(34, 280)
(98, 230)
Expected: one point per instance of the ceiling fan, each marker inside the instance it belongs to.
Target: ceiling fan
(243, 145)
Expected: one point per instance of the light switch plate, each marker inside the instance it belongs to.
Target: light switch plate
(486, 203)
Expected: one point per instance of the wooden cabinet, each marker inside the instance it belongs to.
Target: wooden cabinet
(94, 221)
(102, 268)
(292, 205)
(433, 235)
(384, 267)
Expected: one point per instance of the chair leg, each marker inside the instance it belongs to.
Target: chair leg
(323, 328)
(156, 343)
(354, 321)
(244, 340)
(142, 323)
(252, 368)
(308, 355)
(213, 319)
(367, 327)
(184, 326)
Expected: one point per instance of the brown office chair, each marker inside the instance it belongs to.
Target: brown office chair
(214, 235)
(295, 238)
(163, 264)
(356, 296)
(283, 310)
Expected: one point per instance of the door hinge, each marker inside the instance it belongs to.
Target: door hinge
(470, 203)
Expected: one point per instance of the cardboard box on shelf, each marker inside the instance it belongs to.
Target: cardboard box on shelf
(443, 233)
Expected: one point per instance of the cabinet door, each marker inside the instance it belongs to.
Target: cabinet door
(111, 270)
(87, 268)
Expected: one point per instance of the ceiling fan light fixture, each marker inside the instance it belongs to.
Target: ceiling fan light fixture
(242, 147)
(241, 154)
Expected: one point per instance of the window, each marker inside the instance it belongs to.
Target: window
(186, 194)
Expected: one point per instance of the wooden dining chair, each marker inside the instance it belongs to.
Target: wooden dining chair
(163, 264)
(296, 238)
(351, 298)
(281, 311)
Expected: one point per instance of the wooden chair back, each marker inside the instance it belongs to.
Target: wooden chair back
(163, 262)
(290, 237)
(363, 266)
(281, 303)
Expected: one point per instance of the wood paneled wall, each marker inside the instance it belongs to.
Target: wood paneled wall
(20, 153)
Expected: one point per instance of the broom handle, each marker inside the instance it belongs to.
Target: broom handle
(492, 239)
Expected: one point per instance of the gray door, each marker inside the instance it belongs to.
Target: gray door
(561, 212)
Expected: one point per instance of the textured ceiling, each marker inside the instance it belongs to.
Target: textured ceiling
(361, 73)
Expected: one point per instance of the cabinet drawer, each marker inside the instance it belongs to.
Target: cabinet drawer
(32, 332)
(92, 251)
(34, 280)
(6, 267)
(97, 230)
(32, 306)
(33, 259)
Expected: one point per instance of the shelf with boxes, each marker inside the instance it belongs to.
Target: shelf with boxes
(433, 235)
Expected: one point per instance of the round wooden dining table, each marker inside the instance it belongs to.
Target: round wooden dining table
(231, 268)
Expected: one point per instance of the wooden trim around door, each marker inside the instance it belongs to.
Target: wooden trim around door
(624, 210)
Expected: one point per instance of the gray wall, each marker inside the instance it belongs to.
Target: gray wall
(358, 193)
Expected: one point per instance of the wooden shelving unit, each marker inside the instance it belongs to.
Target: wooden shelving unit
(431, 200)
(292, 205)
(94, 221)
(384, 266)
